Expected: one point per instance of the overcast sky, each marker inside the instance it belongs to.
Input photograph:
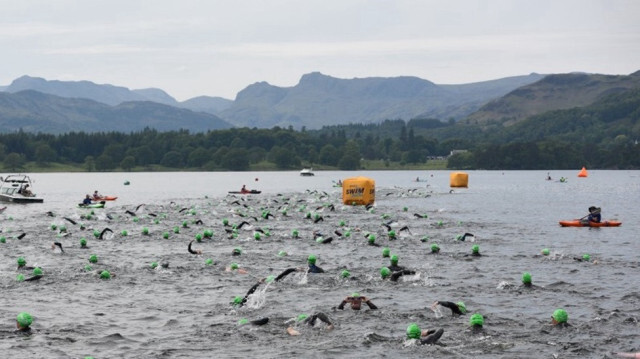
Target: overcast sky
(218, 47)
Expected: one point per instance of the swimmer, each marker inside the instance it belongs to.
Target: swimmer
(431, 336)
(58, 244)
(313, 268)
(268, 279)
(464, 236)
(311, 321)
(22, 264)
(103, 232)
(386, 273)
(559, 318)
(476, 322)
(356, 302)
(197, 251)
(23, 322)
(456, 308)
(394, 267)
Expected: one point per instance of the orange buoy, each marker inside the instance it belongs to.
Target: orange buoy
(583, 172)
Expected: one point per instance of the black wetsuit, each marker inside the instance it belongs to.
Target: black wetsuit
(312, 319)
(396, 268)
(255, 286)
(396, 275)
(432, 337)
(315, 269)
(35, 277)
(455, 310)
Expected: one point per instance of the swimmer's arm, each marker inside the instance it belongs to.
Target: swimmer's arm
(369, 303)
(285, 273)
(341, 306)
(453, 306)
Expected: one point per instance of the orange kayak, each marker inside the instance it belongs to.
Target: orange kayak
(105, 198)
(579, 223)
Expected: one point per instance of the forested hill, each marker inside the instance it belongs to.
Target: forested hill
(554, 92)
(33, 111)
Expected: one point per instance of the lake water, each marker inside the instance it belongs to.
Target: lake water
(184, 311)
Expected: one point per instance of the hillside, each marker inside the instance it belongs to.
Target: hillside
(34, 111)
(319, 100)
(554, 92)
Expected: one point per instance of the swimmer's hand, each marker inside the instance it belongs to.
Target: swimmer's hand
(330, 327)
(292, 331)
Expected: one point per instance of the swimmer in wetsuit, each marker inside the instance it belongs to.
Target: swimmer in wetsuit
(356, 302)
(311, 321)
(431, 336)
(394, 267)
(456, 308)
(394, 276)
(313, 268)
(268, 279)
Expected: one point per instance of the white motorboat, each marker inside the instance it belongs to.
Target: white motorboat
(18, 189)
(306, 172)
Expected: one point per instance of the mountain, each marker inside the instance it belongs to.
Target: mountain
(554, 92)
(34, 111)
(114, 95)
(319, 100)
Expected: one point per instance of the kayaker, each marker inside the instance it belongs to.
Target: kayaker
(86, 200)
(244, 189)
(96, 195)
(594, 214)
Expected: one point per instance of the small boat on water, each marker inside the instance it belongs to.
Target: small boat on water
(306, 172)
(579, 223)
(17, 189)
(104, 198)
(253, 191)
(92, 205)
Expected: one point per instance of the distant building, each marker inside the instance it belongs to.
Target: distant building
(455, 152)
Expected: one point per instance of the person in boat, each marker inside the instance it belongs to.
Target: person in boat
(25, 191)
(548, 177)
(86, 200)
(356, 301)
(339, 183)
(594, 214)
(244, 189)
(96, 196)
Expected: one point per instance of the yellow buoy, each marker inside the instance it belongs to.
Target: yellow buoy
(459, 179)
(358, 191)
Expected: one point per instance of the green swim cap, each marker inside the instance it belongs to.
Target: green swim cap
(385, 272)
(560, 316)
(24, 319)
(545, 251)
(225, 222)
(392, 234)
(83, 242)
(208, 261)
(301, 317)
(124, 233)
(405, 209)
(96, 233)
(237, 300)
(345, 274)
(476, 320)
(145, 230)
(3, 239)
(341, 224)
(176, 229)
(20, 277)
(475, 248)
(311, 259)
(234, 266)
(184, 224)
(237, 251)
(294, 233)
(462, 307)
(53, 227)
(440, 223)
(21, 262)
(198, 237)
(413, 331)
(154, 265)
(63, 228)
(37, 271)
(347, 234)
(394, 259)
(355, 294)
(93, 258)
(371, 238)
(105, 274)
(526, 278)
(270, 278)
(88, 268)
(435, 248)
(586, 257)
(386, 252)
(165, 235)
(256, 236)
(208, 233)
(136, 219)
(243, 321)
(282, 254)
